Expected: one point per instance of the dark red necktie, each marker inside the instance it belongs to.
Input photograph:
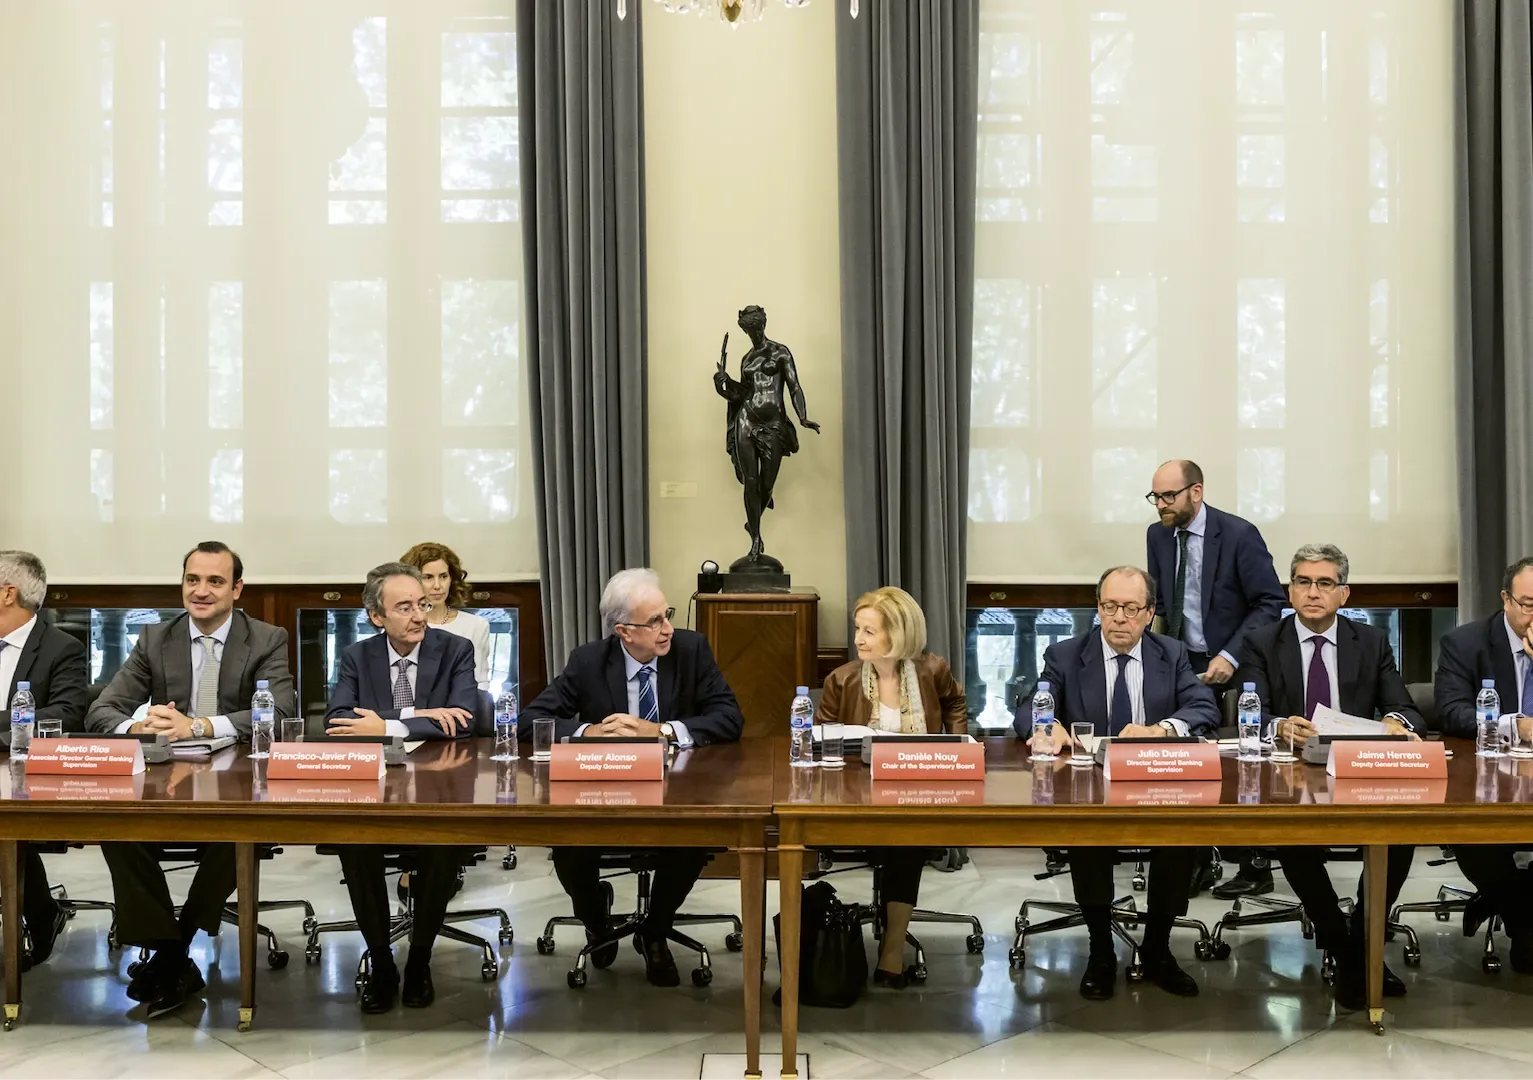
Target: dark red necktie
(1317, 688)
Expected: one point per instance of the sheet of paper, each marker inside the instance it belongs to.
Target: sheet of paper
(412, 745)
(850, 731)
(1328, 721)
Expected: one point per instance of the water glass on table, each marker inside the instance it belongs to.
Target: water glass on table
(50, 728)
(1080, 740)
(1279, 742)
(832, 745)
(292, 729)
(543, 739)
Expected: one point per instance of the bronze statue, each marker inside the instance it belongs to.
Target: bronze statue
(760, 433)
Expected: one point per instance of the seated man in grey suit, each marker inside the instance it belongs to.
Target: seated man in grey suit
(417, 682)
(197, 673)
(1132, 684)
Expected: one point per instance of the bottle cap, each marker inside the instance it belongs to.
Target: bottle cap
(801, 691)
(23, 686)
(262, 684)
(1249, 688)
(1487, 684)
(1043, 684)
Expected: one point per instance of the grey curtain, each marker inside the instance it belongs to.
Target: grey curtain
(1493, 74)
(906, 88)
(581, 139)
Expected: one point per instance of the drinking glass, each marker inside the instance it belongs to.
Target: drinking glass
(1080, 733)
(292, 729)
(1279, 743)
(543, 739)
(1521, 747)
(832, 752)
(51, 728)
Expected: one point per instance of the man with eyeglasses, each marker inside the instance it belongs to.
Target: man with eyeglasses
(1499, 648)
(417, 682)
(1319, 657)
(1127, 683)
(645, 679)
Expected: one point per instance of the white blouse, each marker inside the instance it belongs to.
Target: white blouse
(887, 720)
(468, 625)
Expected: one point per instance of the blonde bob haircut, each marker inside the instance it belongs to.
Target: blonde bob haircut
(904, 622)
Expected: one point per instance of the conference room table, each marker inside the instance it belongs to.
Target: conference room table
(445, 793)
(1255, 804)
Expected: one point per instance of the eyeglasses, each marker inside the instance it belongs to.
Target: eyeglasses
(653, 624)
(1525, 605)
(404, 611)
(1324, 584)
(1130, 611)
(1155, 498)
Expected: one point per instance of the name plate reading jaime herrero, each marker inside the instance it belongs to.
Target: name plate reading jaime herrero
(1156, 759)
(916, 759)
(317, 761)
(607, 759)
(85, 757)
(1362, 760)
(1388, 792)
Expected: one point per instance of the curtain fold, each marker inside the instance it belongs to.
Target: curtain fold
(1493, 179)
(906, 100)
(581, 142)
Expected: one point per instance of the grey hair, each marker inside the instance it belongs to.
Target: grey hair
(1321, 553)
(372, 590)
(25, 571)
(1144, 575)
(618, 595)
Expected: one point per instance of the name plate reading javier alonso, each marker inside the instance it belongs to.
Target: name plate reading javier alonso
(1138, 760)
(1363, 760)
(318, 761)
(85, 757)
(607, 759)
(639, 793)
(926, 758)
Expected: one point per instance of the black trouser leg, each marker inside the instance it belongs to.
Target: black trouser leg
(1397, 869)
(1169, 878)
(431, 888)
(37, 904)
(1304, 870)
(579, 872)
(146, 918)
(212, 884)
(362, 866)
(1493, 872)
(899, 873)
(677, 872)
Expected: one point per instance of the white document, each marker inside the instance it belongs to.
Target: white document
(412, 745)
(852, 732)
(1328, 721)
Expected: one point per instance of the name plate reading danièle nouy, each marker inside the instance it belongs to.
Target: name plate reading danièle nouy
(607, 759)
(928, 757)
(1140, 760)
(1361, 759)
(318, 760)
(85, 757)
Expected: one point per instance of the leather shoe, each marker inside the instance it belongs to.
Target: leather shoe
(601, 957)
(1101, 975)
(44, 932)
(161, 969)
(1202, 878)
(1394, 986)
(176, 992)
(1258, 884)
(418, 992)
(1522, 954)
(659, 964)
(379, 990)
(893, 980)
(1163, 971)
(1351, 989)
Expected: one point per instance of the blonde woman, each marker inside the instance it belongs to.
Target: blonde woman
(446, 585)
(894, 687)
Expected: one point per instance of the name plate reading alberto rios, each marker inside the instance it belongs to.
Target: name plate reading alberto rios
(104, 788)
(607, 759)
(923, 759)
(1363, 760)
(317, 761)
(1160, 759)
(85, 757)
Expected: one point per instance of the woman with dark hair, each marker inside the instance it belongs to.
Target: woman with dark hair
(446, 584)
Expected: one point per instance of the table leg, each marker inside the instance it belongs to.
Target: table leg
(11, 885)
(248, 875)
(1375, 888)
(752, 907)
(790, 868)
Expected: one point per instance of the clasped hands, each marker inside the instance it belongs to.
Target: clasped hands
(623, 726)
(1061, 737)
(368, 722)
(164, 720)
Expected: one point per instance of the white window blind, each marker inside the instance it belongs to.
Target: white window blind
(1219, 231)
(261, 283)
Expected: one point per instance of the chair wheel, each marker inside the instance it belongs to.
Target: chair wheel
(918, 972)
(1139, 884)
(1221, 950)
(276, 959)
(1019, 924)
(1134, 973)
(975, 943)
(361, 981)
(1412, 957)
(1309, 935)
(545, 946)
(489, 971)
(508, 863)
(1203, 950)
(506, 935)
(1440, 916)
(1490, 965)
(310, 925)
(134, 968)
(1218, 871)
(576, 978)
(702, 976)
(735, 942)
(1016, 958)
(112, 944)
(311, 955)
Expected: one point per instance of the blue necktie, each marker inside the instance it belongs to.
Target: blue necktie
(647, 708)
(1121, 713)
(1527, 685)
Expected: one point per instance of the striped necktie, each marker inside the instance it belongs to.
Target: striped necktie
(207, 685)
(648, 710)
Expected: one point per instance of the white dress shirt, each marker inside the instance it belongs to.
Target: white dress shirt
(1133, 671)
(1308, 642)
(10, 656)
(1192, 601)
(631, 677)
(222, 726)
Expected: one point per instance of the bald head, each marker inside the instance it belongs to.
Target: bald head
(1176, 491)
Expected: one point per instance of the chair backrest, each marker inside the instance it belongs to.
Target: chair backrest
(1423, 696)
(484, 715)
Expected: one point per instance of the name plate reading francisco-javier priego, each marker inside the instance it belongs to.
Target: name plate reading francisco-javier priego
(607, 759)
(1158, 759)
(85, 757)
(318, 761)
(917, 759)
(1361, 759)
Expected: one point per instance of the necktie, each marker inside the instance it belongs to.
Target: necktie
(1121, 713)
(1176, 618)
(207, 685)
(1527, 684)
(404, 697)
(647, 708)
(1317, 688)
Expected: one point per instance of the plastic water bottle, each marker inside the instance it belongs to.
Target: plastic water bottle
(263, 718)
(505, 727)
(801, 721)
(23, 712)
(1487, 721)
(1043, 724)
(1248, 710)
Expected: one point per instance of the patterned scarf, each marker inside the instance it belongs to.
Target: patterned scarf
(912, 715)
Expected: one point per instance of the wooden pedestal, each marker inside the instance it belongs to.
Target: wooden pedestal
(765, 644)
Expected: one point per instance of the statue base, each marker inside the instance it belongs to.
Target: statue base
(760, 573)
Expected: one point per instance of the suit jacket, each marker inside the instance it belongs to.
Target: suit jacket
(55, 664)
(942, 699)
(594, 685)
(1076, 673)
(444, 679)
(159, 671)
(1240, 588)
(1468, 655)
(1366, 677)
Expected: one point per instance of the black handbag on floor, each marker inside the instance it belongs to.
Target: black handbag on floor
(832, 959)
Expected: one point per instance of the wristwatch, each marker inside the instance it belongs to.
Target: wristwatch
(1170, 728)
(200, 728)
(668, 733)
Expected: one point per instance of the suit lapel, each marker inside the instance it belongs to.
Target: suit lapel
(1349, 666)
(231, 669)
(1094, 683)
(1290, 669)
(375, 658)
(617, 679)
(1159, 689)
(666, 666)
(176, 663)
(432, 647)
(25, 661)
(1211, 531)
(1502, 664)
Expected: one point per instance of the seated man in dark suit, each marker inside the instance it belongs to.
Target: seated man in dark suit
(197, 673)
(1318, 657)
(1134, 684)
(1499, 648)
(54, 664)
(649, 679)
(416, 682)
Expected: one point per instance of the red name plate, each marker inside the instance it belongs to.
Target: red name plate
(644, 793)
(1363, 760)
(322, 791)
(1196, 793)
(620, 761)
(912, 793)
(1389, 792)
(85, 757)
(1172, 761)
(898, 759)
(318, 761)
(106, 788)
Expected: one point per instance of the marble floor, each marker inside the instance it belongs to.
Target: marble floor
(1264, 1012)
